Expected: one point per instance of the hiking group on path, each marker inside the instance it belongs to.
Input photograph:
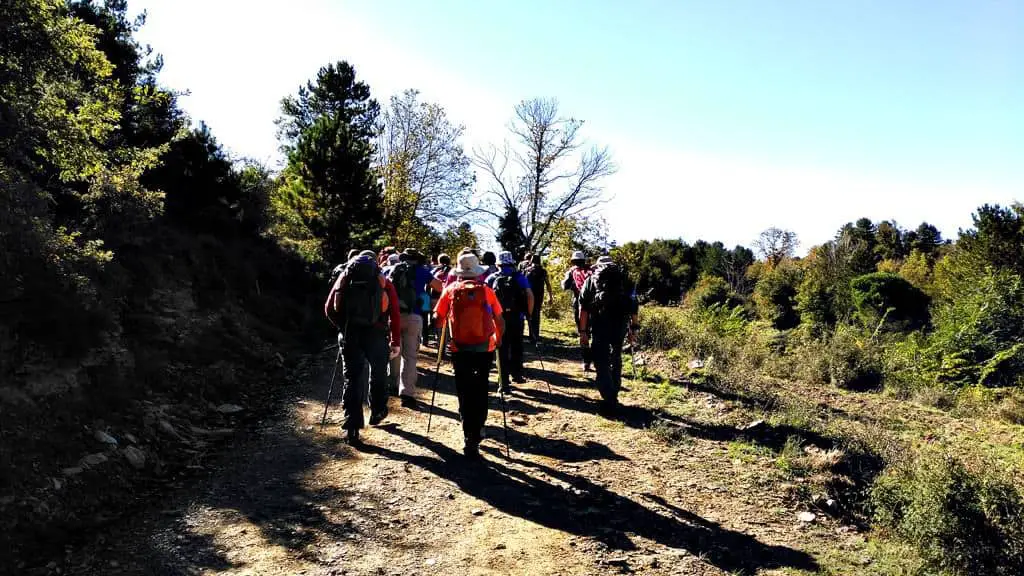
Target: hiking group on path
(385, 305)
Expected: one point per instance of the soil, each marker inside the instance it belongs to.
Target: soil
(579, 494)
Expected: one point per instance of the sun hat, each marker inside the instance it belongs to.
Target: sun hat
(469, 266)
(368, 254)
(605, 260)
(393, 259)
(506, 259)
(578, 255)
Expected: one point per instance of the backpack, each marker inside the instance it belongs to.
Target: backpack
(403, 276)
(609, 290)
(579, 276)
(471, 321)
(510, 294)
(535, 275)
(363, 298)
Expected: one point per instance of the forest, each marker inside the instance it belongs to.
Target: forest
(147, 274)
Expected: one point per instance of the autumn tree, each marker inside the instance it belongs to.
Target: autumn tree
(774, 244)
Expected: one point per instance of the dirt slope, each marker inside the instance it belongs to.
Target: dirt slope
(580, 495)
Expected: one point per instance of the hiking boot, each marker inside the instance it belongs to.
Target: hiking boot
(608, 408)
(506, 389)
(519, 379)
(378, 417)
(408, 401)
(471, 452)
(353, 436)
(586, 367)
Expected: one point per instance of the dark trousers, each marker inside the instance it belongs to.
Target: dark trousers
(511, 348)
(606, 348)
(471, 372)
(534, 319)
(364, 348)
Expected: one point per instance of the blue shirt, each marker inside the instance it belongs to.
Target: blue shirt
(520, 280)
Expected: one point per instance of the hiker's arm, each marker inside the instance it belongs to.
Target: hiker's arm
(435, 285)
(567, 283)
(530, 301)
(499, 327)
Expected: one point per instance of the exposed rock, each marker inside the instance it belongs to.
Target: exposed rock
(753, 425)
(105, 438)
(229, 408)
(131, 438)
(518, 420)
(135, 457)
(806, 517)
(477, 512)
(695, 364)
(73, 471)
(94, 459)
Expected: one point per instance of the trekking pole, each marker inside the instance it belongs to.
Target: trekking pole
(540, 356)
(437, 373)
(501, 392)
(330, 389)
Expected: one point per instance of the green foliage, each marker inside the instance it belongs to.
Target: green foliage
(1005, 368)
(917, 270)
(663, 270)
(824, 297)
(712, 291)
(888, 299)
(960, 523)
(854, 360)
(510, 237)
(997, 238)
(775, 294)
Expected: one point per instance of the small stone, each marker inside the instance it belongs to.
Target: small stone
(229, 408)
(695, 364)
(105, 438)
(431, 561)
(73, 471)
(131, 438)
(51, 565)
(114, 564)
(753, 425)
(477, 512)
(451, 496)
(806, 517)
(57, 484)
(135, 457)
(94, 459)
(500, 547)
(518, 420)
(166, 427)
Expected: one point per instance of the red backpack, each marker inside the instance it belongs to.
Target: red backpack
(472, 323)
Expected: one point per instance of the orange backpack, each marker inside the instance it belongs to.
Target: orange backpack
(472, 323)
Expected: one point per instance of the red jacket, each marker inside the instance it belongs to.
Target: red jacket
(394, 316)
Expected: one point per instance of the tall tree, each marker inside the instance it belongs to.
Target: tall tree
(328, 130)
(544, 173)
(510, 236)
(774, 244)
(425, 171)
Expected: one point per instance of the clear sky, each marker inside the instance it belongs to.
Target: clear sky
(724, 117)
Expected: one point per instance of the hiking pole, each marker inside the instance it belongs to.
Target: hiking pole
(501, 392)
(540, 356)
(437, 373)
(330, 389)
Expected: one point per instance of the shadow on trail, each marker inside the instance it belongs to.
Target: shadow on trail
(593, 511)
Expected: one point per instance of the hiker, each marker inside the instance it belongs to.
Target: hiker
(364, 306)
(383, 259)
(474, 318)
(517, 302)
(410, 279)
(607, 310)
(573, 281)
(489, 260)
(440, 273)
(537, 276)
(453, 277)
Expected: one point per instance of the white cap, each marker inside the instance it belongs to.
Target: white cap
(578, 255)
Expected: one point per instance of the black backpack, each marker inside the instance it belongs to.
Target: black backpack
(609, 290)
(403, 277)
(363, 296)
(510, 294)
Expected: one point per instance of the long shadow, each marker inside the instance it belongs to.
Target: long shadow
(556, 448)
(589, 510)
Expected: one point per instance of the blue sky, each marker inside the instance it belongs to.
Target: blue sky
(724, 117)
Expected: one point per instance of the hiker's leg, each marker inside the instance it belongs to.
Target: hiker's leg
(600, 350)
(412, 325)
(515, 334)
(355, 380)
(377, 354)
(505, 351)
(535, 318)
(617, 335)
(463, 366)
(478, 390)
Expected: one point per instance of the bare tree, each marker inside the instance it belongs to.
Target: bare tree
(425, 171)
(544, 174)
(774, 244)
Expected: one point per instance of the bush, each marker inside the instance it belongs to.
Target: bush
(854, 362)
(711, 291)
(887, 297)
(775, 295)
(959, 522)
(659, 329)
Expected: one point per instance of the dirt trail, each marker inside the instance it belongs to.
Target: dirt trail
(580, 495)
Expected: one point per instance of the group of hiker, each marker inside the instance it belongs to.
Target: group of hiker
(386, 304)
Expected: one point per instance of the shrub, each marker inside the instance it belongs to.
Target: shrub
(882, 296)
(854, 362)
(775, 295)
(959, 522)
(711, 291)
(659, 329)
(1005, 368)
